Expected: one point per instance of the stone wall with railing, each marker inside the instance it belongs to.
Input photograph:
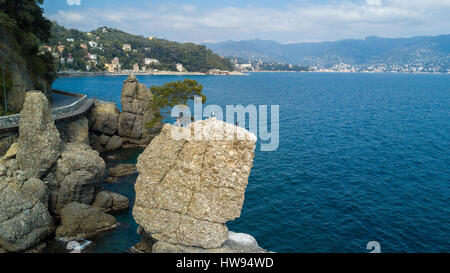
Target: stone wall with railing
(12, 121)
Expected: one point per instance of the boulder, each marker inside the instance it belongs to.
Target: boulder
(188, 189)
(111, 180)
(24, 219)
(12, 151)
(236, 243)
(104, 118)
(35, 190)
(114, 143)
(78, 186)
(136, 112)
(108, 201)
(6, 140)
(122, 170)
(75, 175)
(77, 131)
(95, 142)
(39, 144)
(3, 170)
(103, 139)
(83, 221)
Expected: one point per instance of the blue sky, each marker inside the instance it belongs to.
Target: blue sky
(283, 21)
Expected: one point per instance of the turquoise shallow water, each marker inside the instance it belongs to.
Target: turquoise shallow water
(362, 157)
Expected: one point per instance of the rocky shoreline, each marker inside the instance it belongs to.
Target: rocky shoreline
(51, 178)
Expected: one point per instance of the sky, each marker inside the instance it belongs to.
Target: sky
(284, 21)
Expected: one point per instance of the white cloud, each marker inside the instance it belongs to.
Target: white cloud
(74, 2)
(373, 2)
(305, 22)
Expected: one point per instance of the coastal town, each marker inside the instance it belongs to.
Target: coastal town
(420, 67)
(111, 51)
(92, 60)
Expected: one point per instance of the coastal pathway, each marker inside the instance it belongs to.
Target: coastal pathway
(65, 106)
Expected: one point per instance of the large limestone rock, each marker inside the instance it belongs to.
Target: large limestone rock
(39, 144)
(136, 112)
(104, 118)
(83, 221)
(24, 218)
(188, 189)
(75, 176)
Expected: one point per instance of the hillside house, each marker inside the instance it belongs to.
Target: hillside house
(114, 65)
(126, 47)
(70, 59)
(60, 48)
(150, 61)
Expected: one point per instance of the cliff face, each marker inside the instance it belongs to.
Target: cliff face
(23, 71)
(188, 189)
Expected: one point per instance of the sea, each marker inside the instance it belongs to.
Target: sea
(362, 157)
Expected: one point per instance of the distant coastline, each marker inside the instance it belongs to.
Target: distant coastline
(76, 74)
(354, 72)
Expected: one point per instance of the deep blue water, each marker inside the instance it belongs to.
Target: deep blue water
(362, 157)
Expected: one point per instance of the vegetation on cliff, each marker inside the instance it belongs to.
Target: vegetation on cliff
(96, 48)
(22, 28)
(172, 94)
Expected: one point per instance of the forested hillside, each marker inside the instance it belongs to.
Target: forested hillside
(92, 50)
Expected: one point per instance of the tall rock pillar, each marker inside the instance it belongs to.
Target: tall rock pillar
(136, 113)
(39, 144)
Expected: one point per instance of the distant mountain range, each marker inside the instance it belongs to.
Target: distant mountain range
(426, 53)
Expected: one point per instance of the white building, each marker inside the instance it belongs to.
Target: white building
(150, 61)
(179, 67)
(93, 56)
(70, 40)
(243, 66)
(93, 44)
